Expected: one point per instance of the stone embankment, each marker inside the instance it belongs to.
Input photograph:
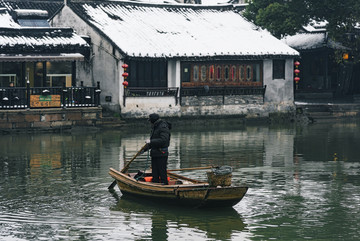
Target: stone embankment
(55, 119)
(326, 111)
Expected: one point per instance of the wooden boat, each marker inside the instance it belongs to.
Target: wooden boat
(181, 190)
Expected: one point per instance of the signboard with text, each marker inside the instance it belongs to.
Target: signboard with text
(38, 101)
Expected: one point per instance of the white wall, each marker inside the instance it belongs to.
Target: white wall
(279, 91)
(104, 66)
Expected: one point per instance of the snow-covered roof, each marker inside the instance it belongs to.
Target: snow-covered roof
(308, 41)
(165, 30)
(315, 26)
(25, 40)
(50, 6)
(16, 39)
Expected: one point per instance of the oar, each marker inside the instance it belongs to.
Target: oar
(190, 168)
(126, 167)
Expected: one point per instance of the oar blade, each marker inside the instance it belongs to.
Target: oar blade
(112, 185)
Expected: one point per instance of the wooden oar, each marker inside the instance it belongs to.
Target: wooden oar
(126, 167)
(190, 168)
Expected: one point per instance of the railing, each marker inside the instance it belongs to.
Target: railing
(151, 92)
(19, 97)
(211, 91)
(13, 98)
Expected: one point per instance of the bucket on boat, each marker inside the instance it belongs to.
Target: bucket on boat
(220, 176)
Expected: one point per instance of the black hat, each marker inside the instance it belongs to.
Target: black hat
(153, 117)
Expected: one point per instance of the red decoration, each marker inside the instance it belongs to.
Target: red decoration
(125, 83)
(297, 63)
(125, 75)
(297, 71)
(124, 66)
(297, 79)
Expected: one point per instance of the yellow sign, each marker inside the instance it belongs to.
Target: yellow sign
(38, 101)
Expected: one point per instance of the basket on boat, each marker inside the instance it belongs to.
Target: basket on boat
(220, 176)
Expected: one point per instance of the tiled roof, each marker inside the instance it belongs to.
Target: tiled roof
(15, 39)
(50, 6)
(40, 40)
(172, 31)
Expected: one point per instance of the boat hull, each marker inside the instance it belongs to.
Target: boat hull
(196, 195)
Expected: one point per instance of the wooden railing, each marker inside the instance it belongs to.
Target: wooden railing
(20, 97)
(224, 90)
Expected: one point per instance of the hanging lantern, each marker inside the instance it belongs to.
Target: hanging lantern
(296, 71)
(297, 79)
(125, 75)
(125, 66)
(297, 63)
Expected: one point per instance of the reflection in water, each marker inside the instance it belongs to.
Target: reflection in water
(217, 224)
(303, 183)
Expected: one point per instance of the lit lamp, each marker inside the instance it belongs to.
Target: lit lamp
(297, 72)
(125, 75)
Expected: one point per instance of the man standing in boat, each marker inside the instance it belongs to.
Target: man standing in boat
(158, 144)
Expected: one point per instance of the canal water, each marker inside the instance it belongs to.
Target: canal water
(304, 184)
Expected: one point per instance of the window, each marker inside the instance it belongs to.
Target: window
(153, 73)
(58, 73)
(233, 73)
(227, 74)
(10, 72)
(211, 72)
(278, 69)
(203, 73)
(249, 73)
(242, 73)
(218, 73)
(196, 73)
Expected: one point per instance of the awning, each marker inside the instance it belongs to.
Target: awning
(45, 57)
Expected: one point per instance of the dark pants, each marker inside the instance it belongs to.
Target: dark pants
(158, 165)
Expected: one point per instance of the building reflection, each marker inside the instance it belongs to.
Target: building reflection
(39, 160)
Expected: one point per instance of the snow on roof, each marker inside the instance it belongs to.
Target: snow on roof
(6, 20)
(31, 13)
(214, 2)
(146, 30)
(316, 26)
(17, 40)
(307, 41)
(157, 1)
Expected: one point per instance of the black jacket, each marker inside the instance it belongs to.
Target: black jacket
(159, 138)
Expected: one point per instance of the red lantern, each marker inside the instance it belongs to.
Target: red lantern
(297, 79)
(125, 83)
(297, 63)
(124, 66)
(125, 75)
(297, 71)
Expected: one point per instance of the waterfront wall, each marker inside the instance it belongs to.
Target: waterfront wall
(49, 119)
(248, 106)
